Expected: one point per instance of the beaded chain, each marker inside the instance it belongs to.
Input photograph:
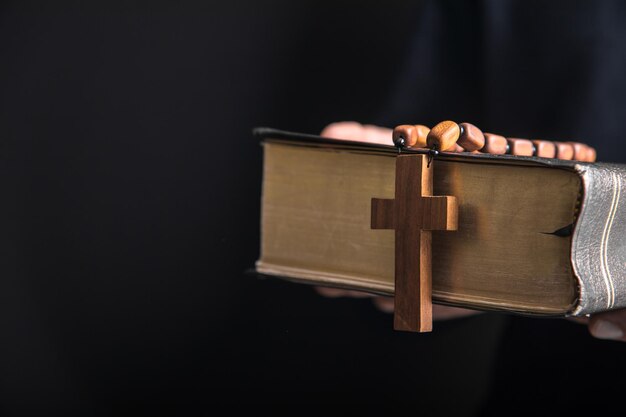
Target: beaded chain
(449, 136)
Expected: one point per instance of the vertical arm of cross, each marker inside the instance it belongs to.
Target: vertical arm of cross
(413, 214)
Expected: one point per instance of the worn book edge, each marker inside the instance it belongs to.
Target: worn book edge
(353, 282)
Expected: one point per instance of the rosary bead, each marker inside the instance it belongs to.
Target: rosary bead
(544, 148)
(591, 154)
(564, 150)
(520, 147)
(472, 138)
(422, 134)
(443, 136)
(404, 136)
(494, 144)
(580, 151)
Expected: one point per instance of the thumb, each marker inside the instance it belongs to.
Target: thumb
(610, 325)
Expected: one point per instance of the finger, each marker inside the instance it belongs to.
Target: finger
(447, 313)
(579, 320)
(357, 132)
(340, 292)
(610, 325)
(343, 130)
(384, 304)
(331, 292)
(359, 294)
(377, 134)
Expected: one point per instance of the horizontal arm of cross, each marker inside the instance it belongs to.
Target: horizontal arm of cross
(438, 213)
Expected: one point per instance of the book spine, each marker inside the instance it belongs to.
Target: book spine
(598, 243)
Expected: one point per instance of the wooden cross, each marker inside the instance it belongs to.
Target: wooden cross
(413, 214)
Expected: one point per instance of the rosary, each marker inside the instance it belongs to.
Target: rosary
(449, 136)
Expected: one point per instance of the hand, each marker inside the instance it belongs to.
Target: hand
(353, 131)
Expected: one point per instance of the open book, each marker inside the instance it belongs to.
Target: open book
(535, 236)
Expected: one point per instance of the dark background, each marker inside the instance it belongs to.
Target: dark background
(131, 188)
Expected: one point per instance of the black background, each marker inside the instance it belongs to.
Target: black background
(131, 188)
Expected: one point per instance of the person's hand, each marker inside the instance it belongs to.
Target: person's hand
(353, 131)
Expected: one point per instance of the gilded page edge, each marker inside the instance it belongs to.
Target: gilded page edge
(353, 282)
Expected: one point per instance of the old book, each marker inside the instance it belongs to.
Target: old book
(535, 236)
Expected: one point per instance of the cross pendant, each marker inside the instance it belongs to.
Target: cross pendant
(414, 213)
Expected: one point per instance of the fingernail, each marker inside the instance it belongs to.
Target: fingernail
(607, 330)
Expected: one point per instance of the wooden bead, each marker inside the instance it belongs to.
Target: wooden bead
(410, 136)
(443, 136)
(580, 151)
(471, 138)
(591, 155)
(544, 149)
(520, 147)
(404, 136)
(564, 150)
(495, 144)
(422, 134)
